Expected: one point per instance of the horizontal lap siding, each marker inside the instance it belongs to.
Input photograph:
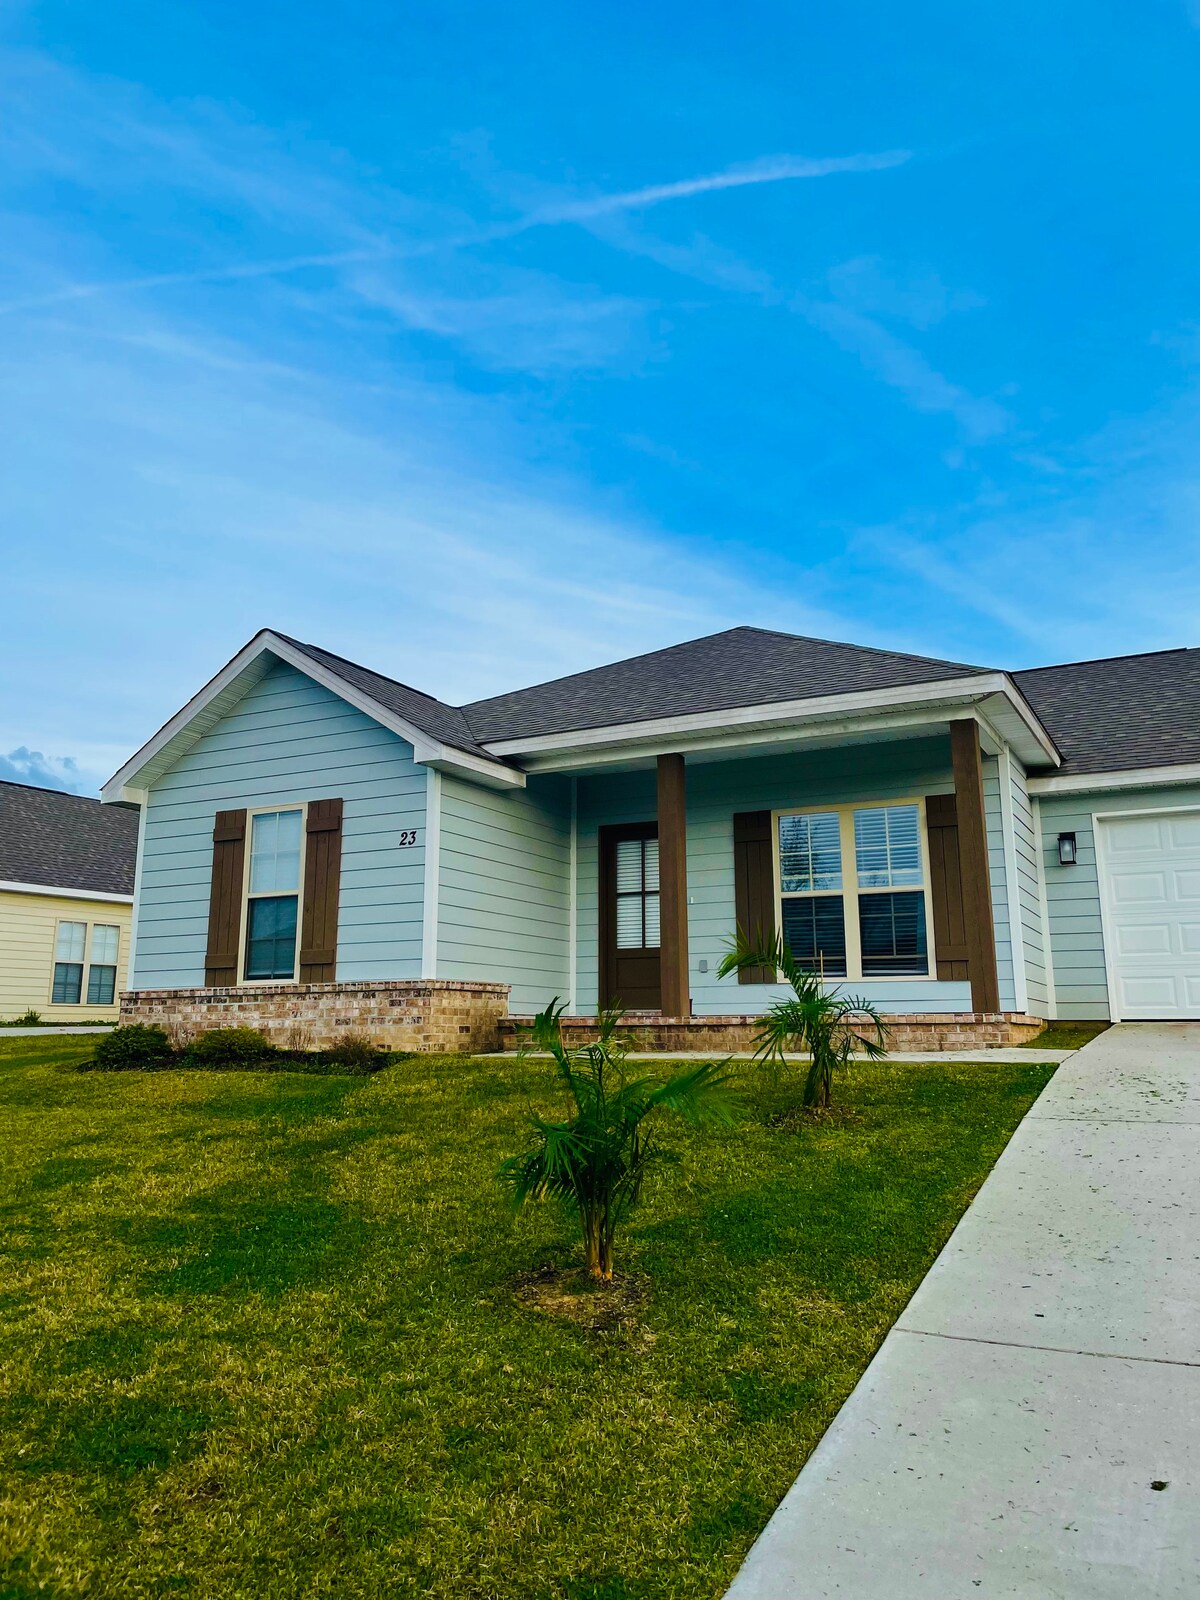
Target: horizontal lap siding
(1073, 893)
(28, 927)
(288, 740)
(1001, 917)
(1032, 933)
(504, 888)
(716, 790)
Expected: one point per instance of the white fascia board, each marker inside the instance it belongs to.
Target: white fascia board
(191, 722)
(1095, 782)
(66, 894)
(745, 725)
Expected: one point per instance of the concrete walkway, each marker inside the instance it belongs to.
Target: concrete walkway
(992, 1054)
(1031, 1426)
(66, 1028)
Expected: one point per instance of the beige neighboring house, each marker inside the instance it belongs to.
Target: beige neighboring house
(66, 903)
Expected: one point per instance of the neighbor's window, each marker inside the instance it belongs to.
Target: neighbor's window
(853, 890)
(637, 894)
(273, 893)
(68, 963)
(102, 967)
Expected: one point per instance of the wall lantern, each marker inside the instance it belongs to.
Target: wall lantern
(1066, 850)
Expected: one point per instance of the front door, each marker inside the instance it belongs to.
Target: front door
(630, 971)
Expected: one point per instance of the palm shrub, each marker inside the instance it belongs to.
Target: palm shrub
(831, 1026)
(595, 1159)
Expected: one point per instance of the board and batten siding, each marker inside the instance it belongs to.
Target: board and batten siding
(1073, 893)
(28, 929)
(504, 888)
(287, 741)
(718, 789)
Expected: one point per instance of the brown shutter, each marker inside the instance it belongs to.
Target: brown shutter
(322, 883)
(225, 899)
(754, 885)
(945, 885)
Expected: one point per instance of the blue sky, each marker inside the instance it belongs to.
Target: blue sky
(484, 344)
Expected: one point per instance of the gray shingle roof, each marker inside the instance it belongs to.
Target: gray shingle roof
(431, 716)
(1121, 713)
(65, 841)
(741, 667)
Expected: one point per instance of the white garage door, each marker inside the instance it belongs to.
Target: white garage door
(1151, 867)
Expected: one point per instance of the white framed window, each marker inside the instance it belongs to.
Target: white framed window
(271, 903)
(102, 964)
(637, 894)
(70, 943)
(853, 889)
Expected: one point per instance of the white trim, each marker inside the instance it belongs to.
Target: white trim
(1106, 917)
(191, 720)
(1035, 807)
(65, 894)
(1087, 782)
(1012, 890)
(130, 965)
(433, 859)
(963, 692)
(573, 903)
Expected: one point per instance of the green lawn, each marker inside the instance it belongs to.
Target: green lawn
(259, 1334)
(1065, 1035)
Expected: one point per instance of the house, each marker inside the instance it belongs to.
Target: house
(66, 903)
(323, 848)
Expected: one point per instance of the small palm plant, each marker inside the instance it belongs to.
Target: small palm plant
(833, 1027)
(595, 1159)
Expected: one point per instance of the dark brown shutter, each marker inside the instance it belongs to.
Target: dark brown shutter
(945, 885)
(225, 899)
(322, 884)
(754, 885)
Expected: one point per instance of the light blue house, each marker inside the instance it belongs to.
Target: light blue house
(324, 848)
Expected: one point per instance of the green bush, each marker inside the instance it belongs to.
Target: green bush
(137, 1047)
(354, 1053)
(228, 1047)
(28, 1019)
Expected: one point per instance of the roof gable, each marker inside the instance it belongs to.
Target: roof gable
(66, 841)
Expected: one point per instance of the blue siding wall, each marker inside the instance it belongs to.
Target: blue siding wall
(1033, 940)
(715, 791)
(1073, 893)
(289, 739)
(504, 888)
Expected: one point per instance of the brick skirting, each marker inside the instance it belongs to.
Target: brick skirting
(434, 1016)
(965, 1030)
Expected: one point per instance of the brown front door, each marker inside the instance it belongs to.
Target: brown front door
(630, 972)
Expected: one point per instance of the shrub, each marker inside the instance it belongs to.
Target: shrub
(28, 1019)
(228, 1047)
(596, 1159)
(355, 1053)
(137, 1047)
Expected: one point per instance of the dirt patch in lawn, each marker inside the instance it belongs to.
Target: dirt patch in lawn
(571, 1294)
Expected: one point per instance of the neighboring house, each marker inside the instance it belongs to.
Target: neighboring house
(325, 848)
(66, 903)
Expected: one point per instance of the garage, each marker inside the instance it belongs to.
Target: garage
(1150, 886)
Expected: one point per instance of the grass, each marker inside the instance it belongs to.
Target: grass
(1065, 1036)
(270, 1336)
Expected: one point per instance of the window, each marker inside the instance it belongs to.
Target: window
(102, 968)
(68, 964)
(854, 899)
(273, 894)
(637, 894)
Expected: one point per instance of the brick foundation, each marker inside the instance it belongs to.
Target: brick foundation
(434, 1016)
(966, 1030)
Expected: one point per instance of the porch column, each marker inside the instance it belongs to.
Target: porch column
(672, 891)
(967, 761)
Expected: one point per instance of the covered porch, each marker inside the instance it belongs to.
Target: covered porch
(896, 856)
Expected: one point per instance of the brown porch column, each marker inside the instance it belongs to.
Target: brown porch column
(672, 881)
(973, 862)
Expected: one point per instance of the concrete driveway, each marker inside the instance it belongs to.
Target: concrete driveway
(1031, 1426)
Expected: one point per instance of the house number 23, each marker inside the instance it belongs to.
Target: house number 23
(407, 836)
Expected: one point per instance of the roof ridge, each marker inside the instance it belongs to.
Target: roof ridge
(47, 788)
(846, 644)
(1095, 661)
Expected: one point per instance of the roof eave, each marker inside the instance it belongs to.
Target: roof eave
(1022, 731)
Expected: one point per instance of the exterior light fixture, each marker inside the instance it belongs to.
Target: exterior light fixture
(1066, 850)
